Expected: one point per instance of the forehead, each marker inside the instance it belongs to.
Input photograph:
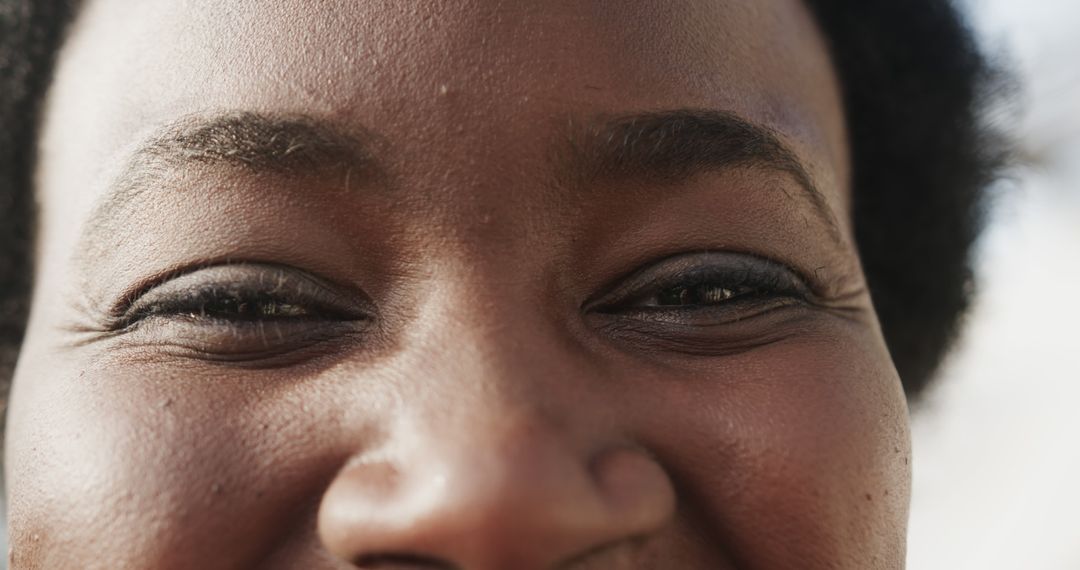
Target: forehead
(487, 72)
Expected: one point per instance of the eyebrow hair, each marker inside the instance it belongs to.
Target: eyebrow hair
(285, 145)
(664, 147)
(672, 146)
(294, 144)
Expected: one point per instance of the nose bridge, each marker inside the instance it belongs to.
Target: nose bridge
(497, 329)
(513, 432)
(488, 469)
(513, 423)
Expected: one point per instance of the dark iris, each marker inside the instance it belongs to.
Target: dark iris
(237, 308)
(703, 294)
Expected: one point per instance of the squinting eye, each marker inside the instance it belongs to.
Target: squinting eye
(700, 281)
(241, 294)
(708, 304)
(243, 313)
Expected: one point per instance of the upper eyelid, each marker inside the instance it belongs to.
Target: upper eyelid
(132, 295)
(122, 311)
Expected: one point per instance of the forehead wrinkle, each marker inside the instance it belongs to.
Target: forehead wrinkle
(672, 146)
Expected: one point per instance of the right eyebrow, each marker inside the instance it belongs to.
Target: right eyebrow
(292, 146)
(296, 144)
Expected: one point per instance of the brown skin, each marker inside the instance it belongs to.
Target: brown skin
(474, 397)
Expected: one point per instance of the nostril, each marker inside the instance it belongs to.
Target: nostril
(401, 561)
(637, 490)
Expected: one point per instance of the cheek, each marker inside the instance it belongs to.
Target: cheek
(791, 455)
(154, 466)
(796, 453)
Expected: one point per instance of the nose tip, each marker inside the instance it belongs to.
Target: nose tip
(524, 510)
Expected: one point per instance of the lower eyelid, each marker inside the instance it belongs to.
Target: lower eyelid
(253, 357)
(728, 311)
(715, 339)
(239, 340)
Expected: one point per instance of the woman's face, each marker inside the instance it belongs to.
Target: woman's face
(437, 284)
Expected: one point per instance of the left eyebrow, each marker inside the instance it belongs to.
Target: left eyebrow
(674, 146)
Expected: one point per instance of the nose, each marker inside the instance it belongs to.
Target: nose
(512, 496)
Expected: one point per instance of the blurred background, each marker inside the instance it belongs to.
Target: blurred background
(997, 442)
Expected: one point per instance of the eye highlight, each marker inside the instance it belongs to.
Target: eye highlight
(696, 295)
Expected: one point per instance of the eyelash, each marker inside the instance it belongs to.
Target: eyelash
(213, 305)
(255, 293)
(689, 288)
(686, 283)
(253, 312)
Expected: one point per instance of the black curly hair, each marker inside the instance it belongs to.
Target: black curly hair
(913, 83)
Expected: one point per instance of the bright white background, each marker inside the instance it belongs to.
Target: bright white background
(997, 444)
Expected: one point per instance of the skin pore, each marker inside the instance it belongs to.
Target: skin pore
(444, 284)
